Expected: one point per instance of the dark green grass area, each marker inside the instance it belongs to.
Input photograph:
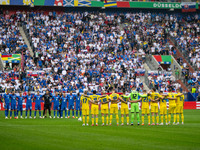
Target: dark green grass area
(64, 134)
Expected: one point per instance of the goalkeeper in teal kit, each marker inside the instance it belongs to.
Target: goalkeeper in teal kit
(134, 104)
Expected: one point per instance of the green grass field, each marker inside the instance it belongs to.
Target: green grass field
(69, 134)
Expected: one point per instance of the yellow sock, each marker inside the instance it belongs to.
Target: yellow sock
(161, 119)
(166, 118)
(174, 117)
(106, 119)
(153, 119)
(142, 119)
(127, 119)
(96, 120)
(148, 119)
(182, 117)
(88, 119)
(177, 117)
(102, 119)
(169, 118)
(157, 119)
(92, 120)
(122, 119)
(117, 118)
(110, 118)
(83, 119)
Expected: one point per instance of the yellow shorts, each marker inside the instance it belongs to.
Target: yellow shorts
(154, 108)
(179, 109)
(104, 108)
(172, 109)
(95, 109)
(145, 110)
(163, 110)
(124, 110)
(114, 108)
(85, 112)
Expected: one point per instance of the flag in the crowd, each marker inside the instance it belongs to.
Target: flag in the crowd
(28, 2)
(58, 3)
(82, 3)
(188, 6)
(39, 2)
(49, 2)
(16, 2)
(110, 4)
(68, 3)
(4, 2)
(104, 1)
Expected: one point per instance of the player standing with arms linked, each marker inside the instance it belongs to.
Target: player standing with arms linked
(85, 107)
(13, 105)
(64, 105)
(70, 99)
(56, 99)
(124, 108)
(78, 108)
(47, 104)
(37, 104)
(20, 106)
(6, 100)
(28, 104)
(179, 106)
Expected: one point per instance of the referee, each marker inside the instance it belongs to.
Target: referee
(47, 104)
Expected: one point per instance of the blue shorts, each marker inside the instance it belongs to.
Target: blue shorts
(20, 108)
(56, 107)
(37, 107)
(78, 107)
(7, 106)
(63, 107)
(28, 106)
(13, 106)
(71, 107)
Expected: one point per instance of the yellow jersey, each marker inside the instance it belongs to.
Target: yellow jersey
(145, 101)
(104, 99)
(126, 100)
(94, 98)
(163, 102)
(85, 102)
(115, 97)
(180, 99)
(172, 95)
(154, 96)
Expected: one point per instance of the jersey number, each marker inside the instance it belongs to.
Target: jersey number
(134, 96)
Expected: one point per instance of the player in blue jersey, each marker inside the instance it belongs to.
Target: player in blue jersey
(13, 105)
(20, 104)
(70, 99)
(56, 99)
(78, 108)
(6, 100)
(28, 104)
(37, 104)
(64, 105)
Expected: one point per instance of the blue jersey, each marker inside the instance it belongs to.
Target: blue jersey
(28, 99)
(13, 98)
(6, 98)
(64, 101)
(78, 100)
(70, 99)
(56, 100)
(20, 100)
(37, 99)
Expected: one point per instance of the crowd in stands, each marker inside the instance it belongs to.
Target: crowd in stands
(100, 51)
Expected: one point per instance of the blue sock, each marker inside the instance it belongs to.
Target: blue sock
(15, 113)
(6, 113)
(80, 113)
(11, 113)
(73, 112)
(61, 112)
(76, 113)
(30, 113)
(65, 113)
(68, 112)
(40, 113)
(57, 113)
(21, 113)
(26, 113)
(54, 113)
(35, 113)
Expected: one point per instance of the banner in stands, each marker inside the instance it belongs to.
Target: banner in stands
(163, 59)
(10, 58)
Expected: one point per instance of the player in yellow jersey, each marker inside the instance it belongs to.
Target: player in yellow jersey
(124, 109)
(145, 106)
(172, 105)
(179, 106)
(104, 107)
(154, 106)
(163, 107)
(114, 107)
(85, 107)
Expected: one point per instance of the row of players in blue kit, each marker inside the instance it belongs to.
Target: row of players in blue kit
(14, 103)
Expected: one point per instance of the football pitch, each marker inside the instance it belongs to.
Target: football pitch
(34, 134)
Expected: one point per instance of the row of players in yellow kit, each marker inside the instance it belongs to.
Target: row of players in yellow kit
(176, 102)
